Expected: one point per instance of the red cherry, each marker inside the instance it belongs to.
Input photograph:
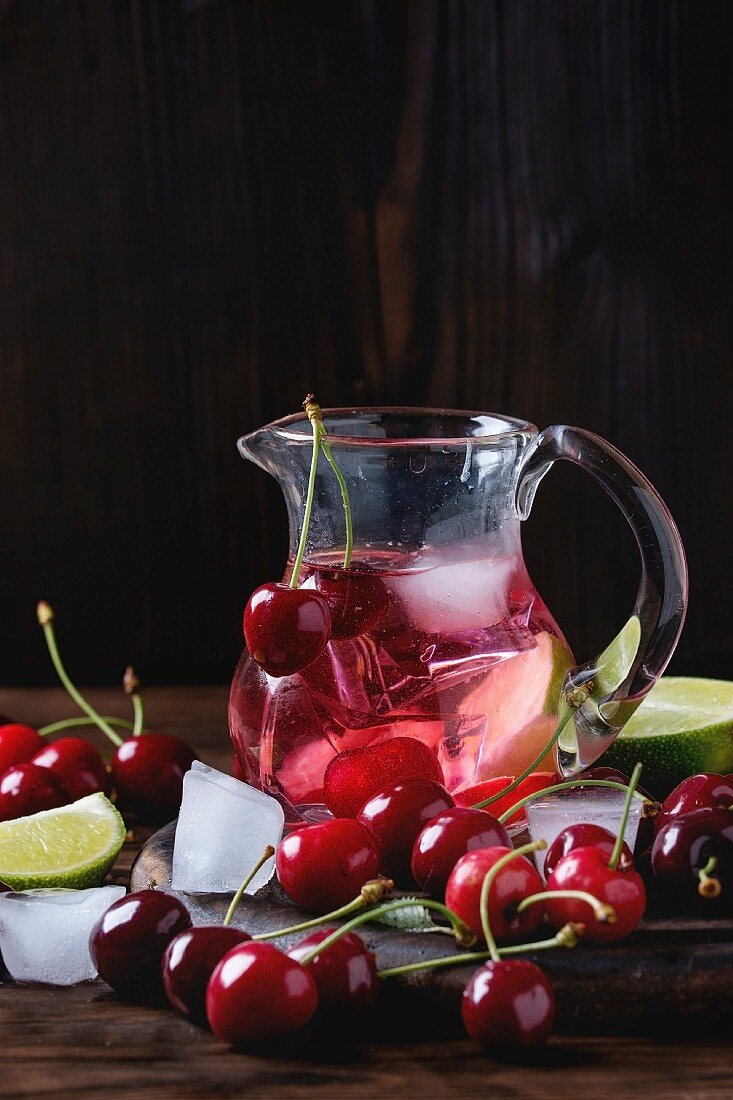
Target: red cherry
(584, 835)
(357, 601)
(355, 775)
(27, 789)
(286, 628)
(587, 869)
(508, 1003)
(396, 815)
(345, 973)
(128, 941)
(516, 881)
(77, 764)
(684, 845)
(535, 782)
(148, 771)
(694, 793)
(322, 867)
(189, 961)
(448, 837)
(257, 993)
(18, 744)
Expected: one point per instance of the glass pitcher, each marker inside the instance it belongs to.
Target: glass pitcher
(439, 632)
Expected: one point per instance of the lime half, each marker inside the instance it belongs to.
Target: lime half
(684, 726)
(73, 846)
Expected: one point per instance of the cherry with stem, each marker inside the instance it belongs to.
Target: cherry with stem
(287, 628)
(612, 882)
(147, 770)
(508, 1002)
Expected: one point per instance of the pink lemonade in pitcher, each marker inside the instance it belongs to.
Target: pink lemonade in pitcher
(483, 697)
(406, 523)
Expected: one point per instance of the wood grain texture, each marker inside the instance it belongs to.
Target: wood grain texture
(210, 207)
(81, 1042)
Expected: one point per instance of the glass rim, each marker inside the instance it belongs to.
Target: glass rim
(284, 427)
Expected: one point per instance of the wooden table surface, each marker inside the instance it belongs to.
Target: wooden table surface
(81, 1042)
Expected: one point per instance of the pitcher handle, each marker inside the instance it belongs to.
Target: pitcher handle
(599, 697)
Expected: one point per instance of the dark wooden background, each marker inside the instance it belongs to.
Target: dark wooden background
(210, 207)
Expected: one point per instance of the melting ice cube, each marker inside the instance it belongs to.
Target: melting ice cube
(44, 934)
(548, 816)
(450, 595)
(223, 827)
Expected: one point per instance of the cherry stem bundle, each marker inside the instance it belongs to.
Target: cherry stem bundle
(45, 617)
(619, 845)
(567, 936)
(268, 853)
(464, 935)
(534, 846)
(610, 784)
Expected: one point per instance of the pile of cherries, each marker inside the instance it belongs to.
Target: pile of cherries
(411, 833)
(146, 770)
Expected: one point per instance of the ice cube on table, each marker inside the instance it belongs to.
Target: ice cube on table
(548, 816)
(223, 827)
(44, 934)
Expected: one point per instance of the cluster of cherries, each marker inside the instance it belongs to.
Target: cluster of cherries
(146, 770)
(409, 832)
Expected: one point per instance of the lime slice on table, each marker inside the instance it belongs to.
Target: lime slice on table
(683, 726)
(73, 846)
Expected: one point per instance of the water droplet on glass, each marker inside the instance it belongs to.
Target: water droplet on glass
(418, 463)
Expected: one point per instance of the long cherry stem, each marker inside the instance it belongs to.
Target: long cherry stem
(604, 913)
(313, 409)
(534, 846)
(619, 845)
(304, 926)
(567, 937)
(463, 933)
(74, 723)
(268, 853)
(131, 685)
(45, 617)
(571, 783)
(310, 493)
(527, 771)
(371, 893)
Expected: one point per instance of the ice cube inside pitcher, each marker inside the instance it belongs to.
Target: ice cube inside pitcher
(44, 934)
(548, 816)
(223, 827)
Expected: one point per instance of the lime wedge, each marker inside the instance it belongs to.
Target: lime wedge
(683, 726)
(73, 846)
